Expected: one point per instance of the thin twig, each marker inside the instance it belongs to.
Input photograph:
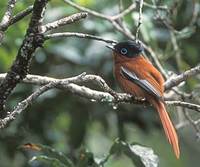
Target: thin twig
(24, 104)
(100, 15)
(124, 12)
(187, 105)
(195, 13)
(89, 11)
(6, 18)
(21, 15)
(155, 60)
(64, 21)
(163, 7)
(78, 35)
(182, 77)
(139, 20)
(8, 14)
(121, 8)
(121, 19)
(13, 20)
(193, 123)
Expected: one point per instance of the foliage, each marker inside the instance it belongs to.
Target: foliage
(141, 156)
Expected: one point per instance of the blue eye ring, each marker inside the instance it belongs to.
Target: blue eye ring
(123, 51)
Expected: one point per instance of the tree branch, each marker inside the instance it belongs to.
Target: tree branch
(24, 104)
(13, 20)
(6, 18)
(20, 15)
(8, 14)
(187, 105)
(64, 21)
(124, 12)
(193, 123)
(70, 84)
(139, 19)
(78, 35)
(153, 6)
(169, 84)
(30, 99)
(182, 77)
(20, 67)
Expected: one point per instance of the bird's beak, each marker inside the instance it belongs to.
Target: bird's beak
(110, 47)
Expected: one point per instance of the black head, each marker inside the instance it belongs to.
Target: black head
(129, 49)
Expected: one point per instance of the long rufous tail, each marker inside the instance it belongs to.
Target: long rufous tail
(168, 127)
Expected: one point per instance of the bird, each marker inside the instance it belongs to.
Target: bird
(137, 76)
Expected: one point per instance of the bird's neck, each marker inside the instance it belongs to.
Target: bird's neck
(122, 59)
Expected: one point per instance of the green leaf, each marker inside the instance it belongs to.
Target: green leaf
(50, 153)
(56, 154)
(140, 155)
(53, 162)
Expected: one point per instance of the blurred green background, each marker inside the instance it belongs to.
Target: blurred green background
(67, 122)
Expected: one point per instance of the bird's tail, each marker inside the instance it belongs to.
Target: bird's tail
(169, 129)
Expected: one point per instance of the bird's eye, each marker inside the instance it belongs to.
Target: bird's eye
(124, 51)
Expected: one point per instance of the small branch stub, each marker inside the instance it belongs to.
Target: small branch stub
(139, 19)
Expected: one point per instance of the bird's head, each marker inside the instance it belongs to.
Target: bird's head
(128, 49)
